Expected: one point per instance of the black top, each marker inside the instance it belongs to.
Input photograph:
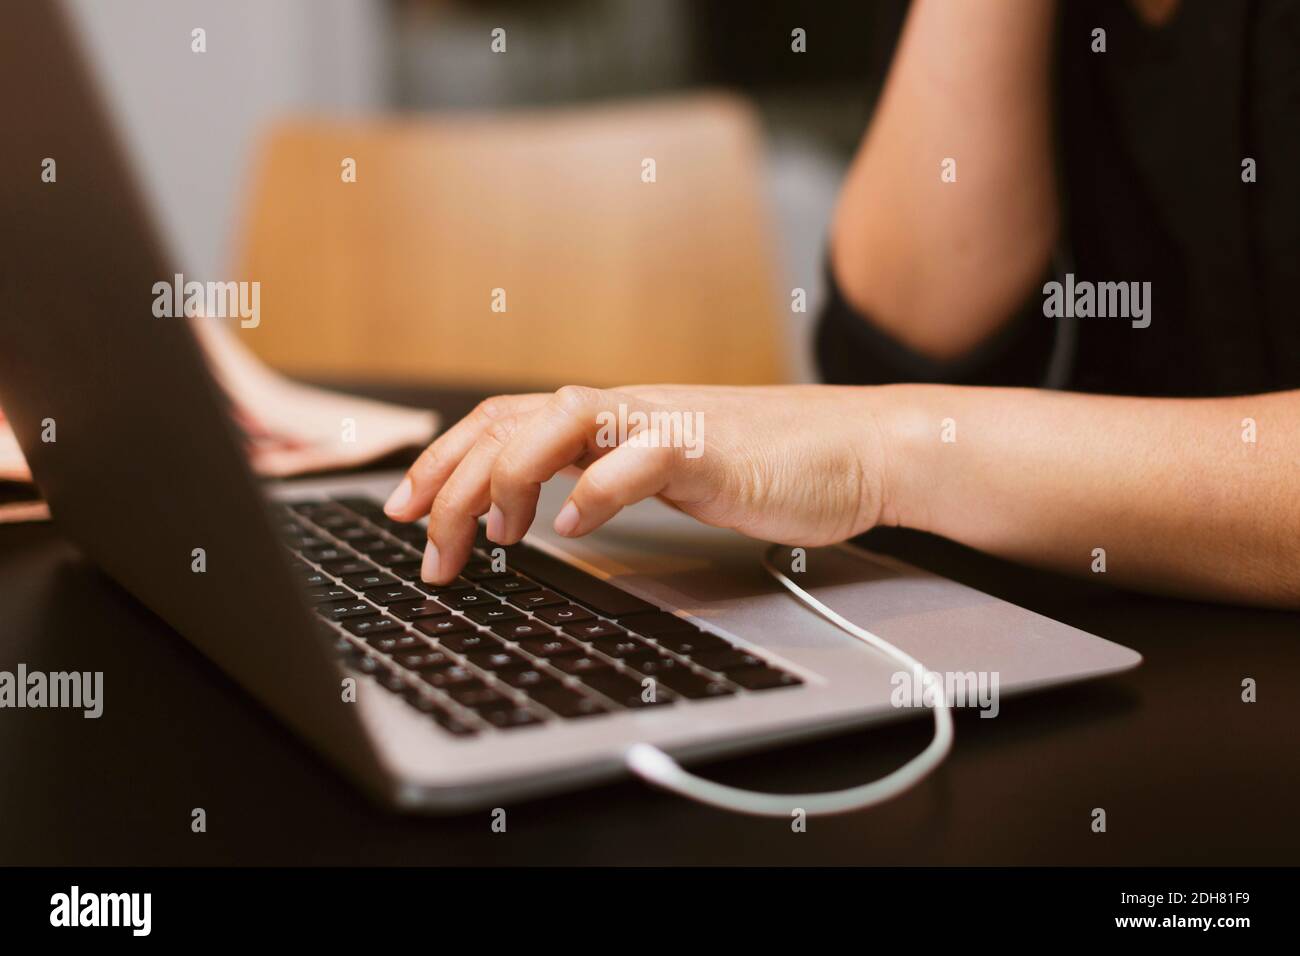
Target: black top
(1151, 138)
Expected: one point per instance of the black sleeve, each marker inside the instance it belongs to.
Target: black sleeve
(851, 350)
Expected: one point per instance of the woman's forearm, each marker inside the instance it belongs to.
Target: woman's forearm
(1197, 497)
(940, 265)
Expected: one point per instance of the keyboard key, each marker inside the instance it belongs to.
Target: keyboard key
(336, 524)
(347, 566)
(342, 610)
(621, 647)
(453, 725)
(525, 678)
(328, 594)
(510, 719)
(446, 720)
(390, 643)
(370, 544)
(551, 647)
(763, 678)
(483, 571)
(368, 580)
(445, 678)
(496, 660)
(582, 664)
(692, 685)
(594, 630)
(601, 596)
(406, 570)
(362, 506)
(651, 664)
(330, 553)
(510, 585)
(660, 622)
(565, 701)
(476, 695)
(493, 614)
(390, 555)
(414, 535)
(394, 594)
(690, 644)
(425, 660)
(365, 663)
(384, 523)
(727, 661)
(624, 689)
(349, 654)
(417, 698)
(353, 535)
(398, 529)
(459, 600)
(564, 614)
(367, 626)
(391, 679)
(535, 599)
(442, 627)
(521, 630)
(458, 586)
(415, 610)
(463, 643)
(314, 579)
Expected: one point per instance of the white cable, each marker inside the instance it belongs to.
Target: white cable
(654, 766)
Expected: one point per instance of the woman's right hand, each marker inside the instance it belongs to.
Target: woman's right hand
(800, 465)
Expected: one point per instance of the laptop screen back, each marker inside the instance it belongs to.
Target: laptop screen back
(114, 408)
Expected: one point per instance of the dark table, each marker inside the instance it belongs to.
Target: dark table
(1187, 772)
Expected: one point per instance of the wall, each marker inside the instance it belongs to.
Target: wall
(190, 120)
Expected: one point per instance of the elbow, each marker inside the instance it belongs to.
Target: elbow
(941, 300)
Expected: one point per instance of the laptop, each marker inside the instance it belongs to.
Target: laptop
(528, 675)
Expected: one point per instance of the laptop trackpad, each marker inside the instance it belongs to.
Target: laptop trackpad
(717, 575)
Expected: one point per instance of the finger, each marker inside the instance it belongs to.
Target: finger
(568, 429)
(628, 474)
(414, 495)
(454, 513)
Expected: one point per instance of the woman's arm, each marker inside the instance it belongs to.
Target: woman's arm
(1168, 488)
(941, 265)
(1195, 497)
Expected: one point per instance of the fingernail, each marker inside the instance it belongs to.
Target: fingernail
(399, 499)
(496, 524)
(429, 566)
(566, 522)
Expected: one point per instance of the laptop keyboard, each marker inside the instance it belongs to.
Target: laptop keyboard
(499, 649)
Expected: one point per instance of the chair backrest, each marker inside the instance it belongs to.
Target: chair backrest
(626, 244)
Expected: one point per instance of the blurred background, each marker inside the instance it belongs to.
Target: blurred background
(520, 171)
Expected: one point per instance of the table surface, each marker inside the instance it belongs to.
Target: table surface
(1187, 772)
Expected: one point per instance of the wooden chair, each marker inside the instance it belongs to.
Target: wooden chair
(607, 279)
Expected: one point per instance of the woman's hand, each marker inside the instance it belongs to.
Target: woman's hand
(790, 464)
(1168, 491)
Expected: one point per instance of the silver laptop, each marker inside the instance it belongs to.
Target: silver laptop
(520, 678)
